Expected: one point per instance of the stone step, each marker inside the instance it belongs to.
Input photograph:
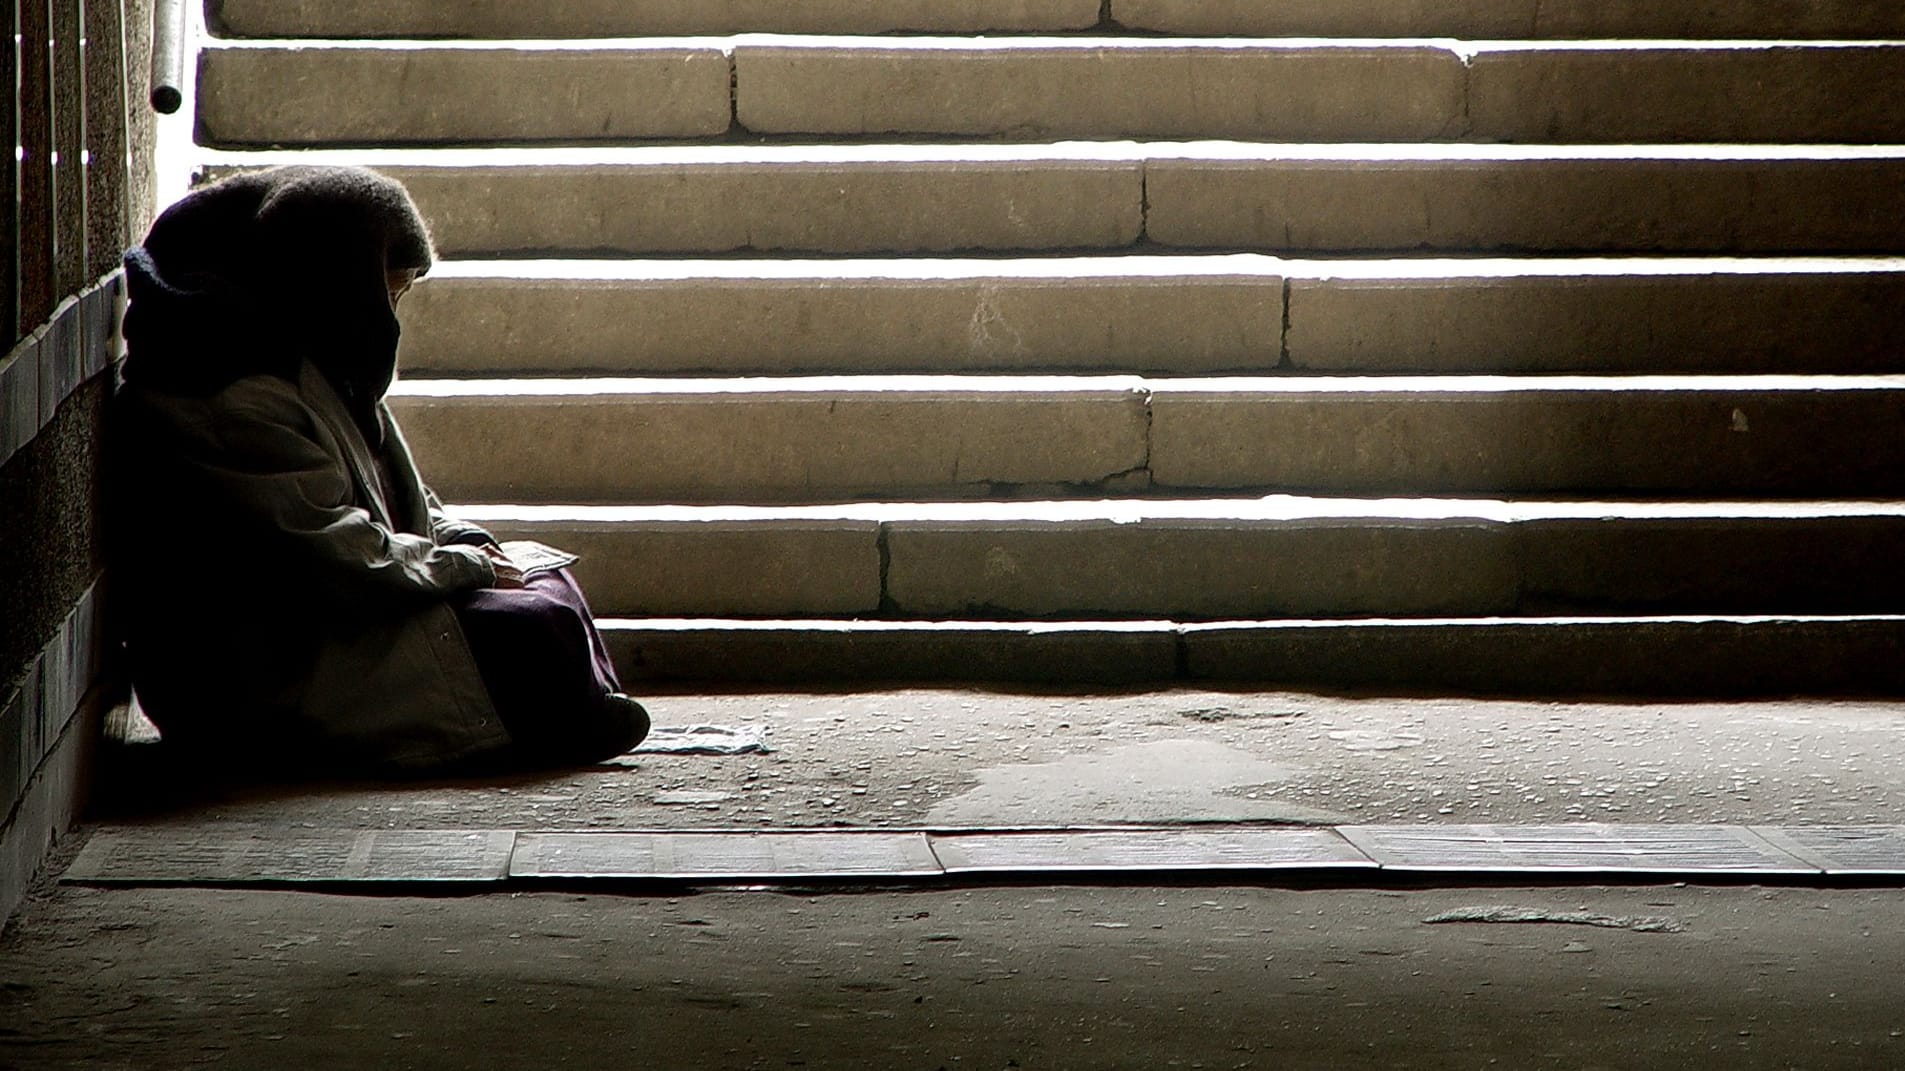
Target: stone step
(1738, 199)
(771, 440)
(1320, 90)
(360, 94)
(873, 199)
(1474, 19)
(1272, 558)
(842, 438)
(1183, 315)
(502, 19)
(1514, 19)
(1049, 88)
(1649, 656)
(1772, 435)
(517, 92)
(722, 199)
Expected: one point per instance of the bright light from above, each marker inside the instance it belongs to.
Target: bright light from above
(1271, 508)
(877, 387)
(1198, 266)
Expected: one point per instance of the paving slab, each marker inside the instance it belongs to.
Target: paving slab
(719, 856)
(221, 855)
(1181, 851)
(1873, 851)
(435, 94)
(1042, 89)
(218, 856)
(1588, 849)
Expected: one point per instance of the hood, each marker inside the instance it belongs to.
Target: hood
(259, 272)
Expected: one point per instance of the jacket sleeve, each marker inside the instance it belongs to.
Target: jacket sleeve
(450, 530)
(264, 457)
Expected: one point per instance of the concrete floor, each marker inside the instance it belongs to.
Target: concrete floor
(1029, 975)
(954, 757)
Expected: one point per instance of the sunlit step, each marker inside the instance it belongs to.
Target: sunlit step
(619, 18)
(1183, 314)
(1651, 655)
(1511, 19)
(1483, 19)
(871, 199)
(836, 438)
(1321, 89)
(1276, 557)
(1035, 89)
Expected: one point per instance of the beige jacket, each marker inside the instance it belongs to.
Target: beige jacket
(287, 601)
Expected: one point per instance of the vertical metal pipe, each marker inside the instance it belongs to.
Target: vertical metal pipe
(168, 55)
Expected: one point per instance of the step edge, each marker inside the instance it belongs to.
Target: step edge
(880, 386)
(623, 624)
(1157, 268)
(1267, 509)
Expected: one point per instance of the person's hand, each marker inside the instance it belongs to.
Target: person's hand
(507, 573)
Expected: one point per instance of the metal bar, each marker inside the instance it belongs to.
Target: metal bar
(168, 55)
(69, 146)
(106, 136)
(38, 229)
(10, 329)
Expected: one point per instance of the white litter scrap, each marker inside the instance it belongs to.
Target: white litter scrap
(705, 740)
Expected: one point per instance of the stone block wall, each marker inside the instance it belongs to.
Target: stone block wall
(80, 173)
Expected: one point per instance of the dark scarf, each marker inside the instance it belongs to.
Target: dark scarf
(259, 272)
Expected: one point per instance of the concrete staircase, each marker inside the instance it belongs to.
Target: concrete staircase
(1349, 343)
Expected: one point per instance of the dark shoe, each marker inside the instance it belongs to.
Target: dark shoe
(624, 722)
(616, 724)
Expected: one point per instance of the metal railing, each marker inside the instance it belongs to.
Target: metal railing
(65, 132)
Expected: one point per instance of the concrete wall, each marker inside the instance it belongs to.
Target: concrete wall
(72, 215)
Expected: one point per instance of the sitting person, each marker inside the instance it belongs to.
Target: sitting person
(284, 581)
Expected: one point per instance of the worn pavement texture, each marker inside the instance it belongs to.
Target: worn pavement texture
(974, 758)
(1001, 975)
(1019, 977)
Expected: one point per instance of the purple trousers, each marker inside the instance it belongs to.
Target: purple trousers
(545, 668)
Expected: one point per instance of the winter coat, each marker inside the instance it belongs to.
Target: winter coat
(281, 592)
(284, 581)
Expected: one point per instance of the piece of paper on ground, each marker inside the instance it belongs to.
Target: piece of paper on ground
(704, 740)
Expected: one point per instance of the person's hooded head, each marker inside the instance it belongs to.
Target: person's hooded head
(264, 270)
